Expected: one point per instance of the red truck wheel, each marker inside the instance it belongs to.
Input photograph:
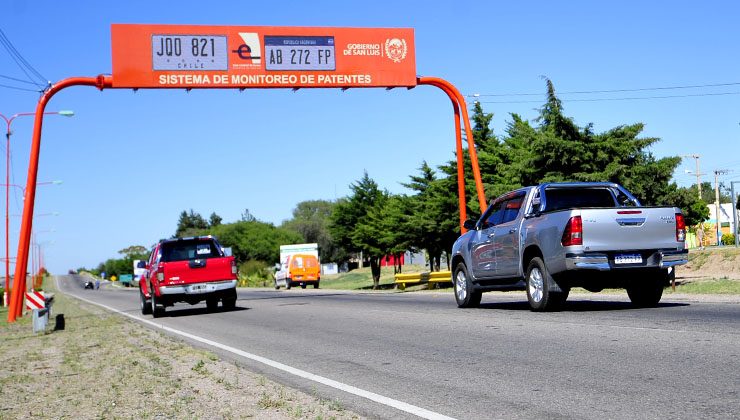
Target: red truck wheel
(146, 307)
(156, 307)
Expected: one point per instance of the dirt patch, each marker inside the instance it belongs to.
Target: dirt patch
(104, 366)
(711, 263)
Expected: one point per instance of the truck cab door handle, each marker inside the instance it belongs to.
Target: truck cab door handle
(492, 234)
(512, 230)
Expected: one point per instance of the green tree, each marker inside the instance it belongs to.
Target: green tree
(350, 213)
(557, 149)
(311, 221)
(369, 235)
(134, 252)
(254, 240)
(189, 223)
(434, 221)
(247, 216)
(214, 220)
(395, 235)
(694, 210)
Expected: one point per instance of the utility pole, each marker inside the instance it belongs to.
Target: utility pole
(717, 173)
(734, 212)
(697, 173)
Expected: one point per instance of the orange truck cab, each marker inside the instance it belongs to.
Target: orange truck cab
(298, 269)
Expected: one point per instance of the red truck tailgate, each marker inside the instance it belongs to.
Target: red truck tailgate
(199, 270)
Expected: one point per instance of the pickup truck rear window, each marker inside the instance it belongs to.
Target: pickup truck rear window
(189, 250)
(566, 198)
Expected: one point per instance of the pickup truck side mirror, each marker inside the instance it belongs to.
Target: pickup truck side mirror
(469, 224)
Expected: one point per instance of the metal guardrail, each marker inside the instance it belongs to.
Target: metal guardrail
(427, 277)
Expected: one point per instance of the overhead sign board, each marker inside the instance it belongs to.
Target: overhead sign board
(188, 56)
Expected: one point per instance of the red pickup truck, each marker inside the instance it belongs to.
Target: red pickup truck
(188, 270)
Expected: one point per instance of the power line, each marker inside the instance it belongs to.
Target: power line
(612, 90)
(20, 88)
(635, 98)
(24, 65)
(16, 80)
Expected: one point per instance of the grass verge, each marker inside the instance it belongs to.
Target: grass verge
(104, 366)
(706, 287)
(361, 279)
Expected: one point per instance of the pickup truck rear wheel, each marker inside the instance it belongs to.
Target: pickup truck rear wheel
(316, 285)
(211, 304)
(645, 292)
(465, 294)
(156, 307)
(539, 295)
(146, 307)
(229, 301)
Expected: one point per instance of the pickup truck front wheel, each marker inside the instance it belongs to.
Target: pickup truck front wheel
(539, 295)
(465, 295)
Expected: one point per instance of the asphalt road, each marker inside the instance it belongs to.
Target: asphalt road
(598, 358)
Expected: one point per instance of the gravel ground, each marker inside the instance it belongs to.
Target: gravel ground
(103, 366)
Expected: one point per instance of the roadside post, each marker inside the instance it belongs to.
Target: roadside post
(41, 306)
(736, 232)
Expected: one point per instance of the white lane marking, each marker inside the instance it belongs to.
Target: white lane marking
(399, 405)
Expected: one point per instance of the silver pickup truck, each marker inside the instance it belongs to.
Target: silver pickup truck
(552, 237)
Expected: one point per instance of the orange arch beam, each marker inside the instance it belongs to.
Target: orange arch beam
(102, 82)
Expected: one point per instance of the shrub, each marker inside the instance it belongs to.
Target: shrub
(728, 239)
(254, 273)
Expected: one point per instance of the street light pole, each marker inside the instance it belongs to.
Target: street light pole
(697, 173)
(734, 212)
(717, 205)
(8, 132)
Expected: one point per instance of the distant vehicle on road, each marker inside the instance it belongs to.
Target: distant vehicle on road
(191, 270)
(301, 269)
(299, 265)
(550, 238)
(139, 270)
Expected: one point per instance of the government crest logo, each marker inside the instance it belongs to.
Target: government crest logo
(396, 49)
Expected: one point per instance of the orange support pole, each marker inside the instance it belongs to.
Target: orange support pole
(15, 308)
(459, 101)
(460, 161)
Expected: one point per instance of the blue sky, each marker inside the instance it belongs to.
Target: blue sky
(131, 162)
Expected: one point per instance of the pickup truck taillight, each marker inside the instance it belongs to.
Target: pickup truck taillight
(680, 228)
(573, 234)
(233, 267)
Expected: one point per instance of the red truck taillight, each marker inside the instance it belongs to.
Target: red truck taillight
(160, 272)
(680, 228)
(233, 267)
(573, 234)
